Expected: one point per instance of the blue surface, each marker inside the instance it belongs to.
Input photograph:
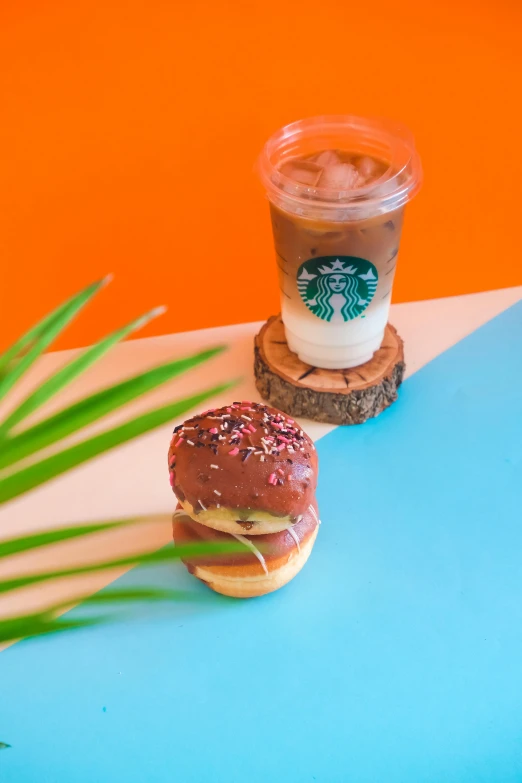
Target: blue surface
(396, 655)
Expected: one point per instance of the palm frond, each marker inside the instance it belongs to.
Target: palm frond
(72, 370)
(19, 358)
(94, 407)
(22, 345)
(17, 445)
(164, 555)
(49, 620)
(33, 476)
(42, 623)
(15, 546)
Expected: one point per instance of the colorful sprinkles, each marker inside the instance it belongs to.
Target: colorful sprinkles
(280, 436)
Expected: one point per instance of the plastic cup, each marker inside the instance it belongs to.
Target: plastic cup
(336, 250)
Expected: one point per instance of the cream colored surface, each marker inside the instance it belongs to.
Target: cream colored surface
(133, 479)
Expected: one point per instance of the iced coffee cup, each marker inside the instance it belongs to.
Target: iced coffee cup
(337, 188)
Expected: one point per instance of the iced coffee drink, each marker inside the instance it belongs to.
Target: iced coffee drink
(337, 189)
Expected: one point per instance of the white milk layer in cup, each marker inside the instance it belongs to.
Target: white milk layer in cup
(337, 188)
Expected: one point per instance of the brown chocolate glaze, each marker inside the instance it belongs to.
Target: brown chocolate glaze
(273, 546)
(245, 456)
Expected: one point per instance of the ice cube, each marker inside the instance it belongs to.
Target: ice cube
(305, 172)
(339, 176)
(327, 158)
(367, 167)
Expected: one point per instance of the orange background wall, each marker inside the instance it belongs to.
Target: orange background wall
(129, 130)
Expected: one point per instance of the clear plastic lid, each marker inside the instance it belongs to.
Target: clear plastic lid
(381, 139)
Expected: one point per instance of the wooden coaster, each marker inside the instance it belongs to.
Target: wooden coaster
(334, 396)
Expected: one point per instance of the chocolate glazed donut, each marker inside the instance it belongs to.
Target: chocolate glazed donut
(273, 559)
(243, 468)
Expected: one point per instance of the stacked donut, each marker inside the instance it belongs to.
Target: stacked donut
(249, 472)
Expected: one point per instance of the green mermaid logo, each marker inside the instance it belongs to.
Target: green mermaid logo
(337, 288)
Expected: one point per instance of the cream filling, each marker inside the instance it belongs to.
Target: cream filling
(225, 519)
(295, 537)
(314, 514)
(225, 513)
(181, 513)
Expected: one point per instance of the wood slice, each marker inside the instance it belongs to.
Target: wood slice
(348, 396)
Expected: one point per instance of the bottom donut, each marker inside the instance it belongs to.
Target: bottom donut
(273, 559)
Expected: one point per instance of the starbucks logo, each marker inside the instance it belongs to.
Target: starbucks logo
(337, 287)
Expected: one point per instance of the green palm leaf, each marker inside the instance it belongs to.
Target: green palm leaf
(24, 480)
(126, 594)
(94, 407)
(15, 446)
(15, 546)
(73, 369)
(42, 623)
(48, 621)
(17, 359)
(23, 344)
(164, 555)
